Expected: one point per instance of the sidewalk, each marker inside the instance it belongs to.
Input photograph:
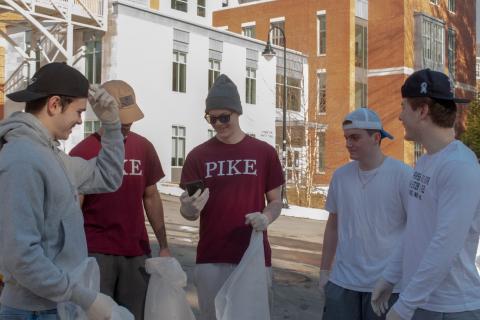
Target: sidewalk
(296, 248)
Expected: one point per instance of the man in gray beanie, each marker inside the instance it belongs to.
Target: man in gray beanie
(237, 172)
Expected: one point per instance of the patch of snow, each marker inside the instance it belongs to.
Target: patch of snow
(171, 189)
(293, 211)
(306, 213)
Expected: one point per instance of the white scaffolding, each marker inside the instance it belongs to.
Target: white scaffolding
(50, 26)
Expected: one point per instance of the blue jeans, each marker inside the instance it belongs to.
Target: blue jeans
(7, 313)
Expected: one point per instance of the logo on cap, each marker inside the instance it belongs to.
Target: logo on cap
(423, 87)
(126, 101)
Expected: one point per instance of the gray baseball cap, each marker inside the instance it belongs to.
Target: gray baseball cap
(364, 118)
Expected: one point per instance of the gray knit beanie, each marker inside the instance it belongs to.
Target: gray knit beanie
(223, 95)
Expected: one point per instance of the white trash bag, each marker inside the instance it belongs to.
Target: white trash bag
(166, 299)
(477, 258)
(87, 274)
(244, 296)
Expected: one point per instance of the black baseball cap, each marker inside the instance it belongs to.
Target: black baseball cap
(431, 84)
(55, 78)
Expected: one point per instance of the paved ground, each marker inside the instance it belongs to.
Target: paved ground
(296, 248)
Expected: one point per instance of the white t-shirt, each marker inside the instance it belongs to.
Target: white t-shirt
(441, 236)
(371, 219)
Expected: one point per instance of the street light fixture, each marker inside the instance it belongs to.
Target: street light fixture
(268, 53)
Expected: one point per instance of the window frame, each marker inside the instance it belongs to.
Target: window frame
(452, 6)
(179, 5)
(321, 34)
(276, 36)
(201, 8)
(90, 127)
(179, 72)
(322, 110)
(213, 72)
(252, 28)
(320, 164)
(251, 85)
(93, 60)
(433, 43)
(176, 138)
(452, 51)
(291, 90)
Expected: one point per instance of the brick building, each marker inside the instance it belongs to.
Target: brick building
(359, 53)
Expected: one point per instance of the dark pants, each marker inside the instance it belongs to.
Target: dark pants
(421, 314)
(125, 280)
(344, 304)
(7, 313)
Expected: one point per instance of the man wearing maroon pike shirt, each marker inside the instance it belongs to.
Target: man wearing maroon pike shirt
(114, 222)
(239, 172)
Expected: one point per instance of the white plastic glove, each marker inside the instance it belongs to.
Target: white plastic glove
(259, 221)
(191, 206)
(380, 296)
(393, 315)
(101, 308)
(103, 104)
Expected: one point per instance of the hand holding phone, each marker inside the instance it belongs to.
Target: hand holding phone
(190, 206)
(193, 186)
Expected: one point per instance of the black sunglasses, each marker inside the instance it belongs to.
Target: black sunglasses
(223, 118)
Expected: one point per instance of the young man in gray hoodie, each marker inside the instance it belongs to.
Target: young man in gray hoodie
(41, 226)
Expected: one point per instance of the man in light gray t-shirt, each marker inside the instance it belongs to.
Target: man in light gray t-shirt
(436, 262)
(366, 201)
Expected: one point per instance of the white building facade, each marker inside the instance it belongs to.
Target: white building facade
(170, 62)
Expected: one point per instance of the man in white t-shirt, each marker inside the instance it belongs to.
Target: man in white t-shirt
(436, 262)
(366, 202)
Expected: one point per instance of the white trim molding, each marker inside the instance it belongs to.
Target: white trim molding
(249, 24)
(389, 71)
(465, 86)
(277, 19)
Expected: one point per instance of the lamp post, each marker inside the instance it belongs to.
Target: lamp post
(268, 53)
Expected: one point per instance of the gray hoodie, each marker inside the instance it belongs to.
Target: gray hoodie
(41, 224)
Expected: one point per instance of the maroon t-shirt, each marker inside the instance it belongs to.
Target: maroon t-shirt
(238, 176)
(114, 222)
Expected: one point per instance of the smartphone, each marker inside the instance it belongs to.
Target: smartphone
(193, 186)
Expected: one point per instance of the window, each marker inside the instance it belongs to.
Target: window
(179, 78)
(201, 8)
(249, 31)
(321, 152)
(417, 152)
(210, 133)
(93, 61)
(322, 33)
(433, 44)
(451, 5)
(360, 46)
(293, 164)
(477, 69)
(90, 126)
(276, 35)
(294, 93)
(452, 52)
(251, 86)
(322, 92)
(181, 5)
(360, 94)
(178, 146)
(213, 71)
